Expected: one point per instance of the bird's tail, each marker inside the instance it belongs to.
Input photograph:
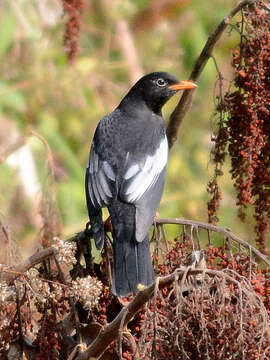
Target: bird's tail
(132, 263)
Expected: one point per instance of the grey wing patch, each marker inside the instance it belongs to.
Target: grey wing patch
(101, 180)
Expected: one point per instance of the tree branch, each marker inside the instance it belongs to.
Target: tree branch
(10, 274)
(226, 232)
(110, 332)
(184, 104)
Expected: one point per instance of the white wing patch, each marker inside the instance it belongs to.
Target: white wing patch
(132, 171)
(141, 178)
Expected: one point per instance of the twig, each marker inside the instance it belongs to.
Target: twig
(220, 230)
(9, 274)
(4, 230)
(120, 332)
(50, 160)
(12, 273)
(19, 317)
(110, 332)
(155, 316)
(132, 344)
(184, 104)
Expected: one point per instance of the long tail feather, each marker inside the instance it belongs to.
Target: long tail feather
(132, 260)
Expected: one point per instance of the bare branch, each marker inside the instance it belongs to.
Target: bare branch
(9, 274)
(184, 104)
(12, 273)
(209, 227)
(110, 332)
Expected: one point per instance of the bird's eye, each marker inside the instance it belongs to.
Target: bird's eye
(161, 82)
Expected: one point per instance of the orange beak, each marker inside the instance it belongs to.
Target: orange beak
(183, 85)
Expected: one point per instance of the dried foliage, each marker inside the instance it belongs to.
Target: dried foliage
(243, 123)
(223, 314)
(36, 308)
(222, 310)
(72, 33)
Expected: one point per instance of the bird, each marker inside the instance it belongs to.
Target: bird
(126, 173)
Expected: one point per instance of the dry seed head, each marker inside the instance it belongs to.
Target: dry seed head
(87, 290)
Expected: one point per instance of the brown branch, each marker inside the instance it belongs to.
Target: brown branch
(184, 104)
(10, 274)
(110, 332)
(209, 227)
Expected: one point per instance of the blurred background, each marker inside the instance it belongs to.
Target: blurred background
(49, 106)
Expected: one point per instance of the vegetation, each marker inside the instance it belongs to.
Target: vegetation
(64, 64)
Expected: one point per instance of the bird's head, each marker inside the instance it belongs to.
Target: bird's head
(156, 88)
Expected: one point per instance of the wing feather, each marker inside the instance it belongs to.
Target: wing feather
(101, 180)
(139, 177)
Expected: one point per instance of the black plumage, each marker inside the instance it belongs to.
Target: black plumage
(126, 173)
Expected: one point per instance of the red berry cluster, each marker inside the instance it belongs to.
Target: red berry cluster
(224, 318)
(48, 339)
(72, 33)
(10, 330)
(244, 123)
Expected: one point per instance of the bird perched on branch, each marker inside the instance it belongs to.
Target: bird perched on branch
(126, 173)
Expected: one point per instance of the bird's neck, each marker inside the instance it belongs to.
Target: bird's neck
(132, 103)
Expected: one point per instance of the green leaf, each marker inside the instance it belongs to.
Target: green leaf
(7, 25)
(11, 98)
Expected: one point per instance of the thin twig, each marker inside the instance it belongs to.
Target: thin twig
(4, 230)
(184, 104)
(120, 332)
(19, 316)
(220, 230)
(155, 316)
(10, 274)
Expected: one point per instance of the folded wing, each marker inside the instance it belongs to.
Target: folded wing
(143, 185)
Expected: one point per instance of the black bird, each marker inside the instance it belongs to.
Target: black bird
(126, 173)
